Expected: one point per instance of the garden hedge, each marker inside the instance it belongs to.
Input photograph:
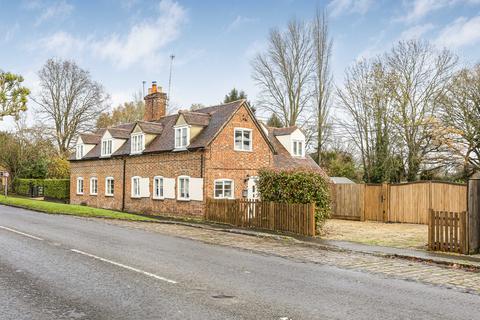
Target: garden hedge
(297, 186)
(58, 189)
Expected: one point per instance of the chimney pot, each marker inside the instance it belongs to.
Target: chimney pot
(154, 86)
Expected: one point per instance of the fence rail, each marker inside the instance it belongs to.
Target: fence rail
(447, 231)
(295, 218)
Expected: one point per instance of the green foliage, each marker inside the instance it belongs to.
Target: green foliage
(13, 97)
(235, 95)
(58, 168)
(58, 189)
(274, 121)
(128, 112)
(338, 164)
(297, 186)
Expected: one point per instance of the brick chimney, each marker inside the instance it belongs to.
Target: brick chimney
(155, 103)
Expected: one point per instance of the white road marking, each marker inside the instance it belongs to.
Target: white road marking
(22, 233)
(124, 266)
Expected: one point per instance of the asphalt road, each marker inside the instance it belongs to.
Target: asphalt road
(60, 267)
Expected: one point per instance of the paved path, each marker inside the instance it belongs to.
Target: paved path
(60, 267)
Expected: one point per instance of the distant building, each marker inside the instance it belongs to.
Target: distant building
(341, 180)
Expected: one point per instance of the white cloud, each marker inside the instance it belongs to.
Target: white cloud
(238, 22)
(341, 7)
(140, 44)
(58, 9)
(416, 32)
(461, 32)
(420, 8)
(145, 39)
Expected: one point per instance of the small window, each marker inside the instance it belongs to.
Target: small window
(223, 189)
(182, 137)
(80, 151)
(184, 188)
(79, 185)
(93, 186)
(135, 187)
(158, 188)
(107, 147)
(137, 143)
(109, 186)
(298, 148)
(243, 139)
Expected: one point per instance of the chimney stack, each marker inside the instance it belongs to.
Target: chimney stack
(155, 103)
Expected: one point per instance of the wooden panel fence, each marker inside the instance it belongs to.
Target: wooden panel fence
(403, 202)
(447, 231)
(295, 218)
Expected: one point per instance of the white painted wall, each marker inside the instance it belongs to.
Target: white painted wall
(286, 140)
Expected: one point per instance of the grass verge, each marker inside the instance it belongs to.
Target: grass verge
(69, 209)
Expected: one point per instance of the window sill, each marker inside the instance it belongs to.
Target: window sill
(183, 199)
(94, 194)
(136, 153)
(224, 198)
(158, 198)
(79, 194)
(109, 195)
(239, 150)
(180, 149)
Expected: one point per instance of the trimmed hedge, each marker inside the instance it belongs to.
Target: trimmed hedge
(58, 189)
(297, 186)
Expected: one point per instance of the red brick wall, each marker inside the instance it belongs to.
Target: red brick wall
(223, 162)
(100, 169)
(168, 165)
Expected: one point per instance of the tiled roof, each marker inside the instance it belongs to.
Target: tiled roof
(119, 133)
(282, 131)
(89, 138)
(151, 127)
(196, 118)
(284, 160)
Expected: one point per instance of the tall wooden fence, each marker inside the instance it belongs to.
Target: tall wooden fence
(447, 231)
(294, 218)
(403, 202)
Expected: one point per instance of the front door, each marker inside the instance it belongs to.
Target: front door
(252, 191)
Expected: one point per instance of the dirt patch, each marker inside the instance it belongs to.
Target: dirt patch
(398, 235)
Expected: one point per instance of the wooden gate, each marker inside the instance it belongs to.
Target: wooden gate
(447, 231)
(374, 199)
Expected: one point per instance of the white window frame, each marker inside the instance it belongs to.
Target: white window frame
(223, 188)
(105, 144)
(242, 130)
(93, 192)
(136, 193)
(161, 195)
(79, 151)
(179, 193)
(297, 141)
(107, 193)
(134, 143)
(178, 130)
(80, 179)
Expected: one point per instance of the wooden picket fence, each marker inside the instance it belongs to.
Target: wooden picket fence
(297, 218)
(447, 231)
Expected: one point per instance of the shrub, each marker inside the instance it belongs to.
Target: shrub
(297, 186)
(52, 188)
(56, 188)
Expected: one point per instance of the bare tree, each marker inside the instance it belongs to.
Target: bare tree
(284, 72)
(69, 101)
(322, 50)
(367, 105)
(460, 107)
(420, 76)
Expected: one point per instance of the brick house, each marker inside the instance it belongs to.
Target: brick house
(169, 164)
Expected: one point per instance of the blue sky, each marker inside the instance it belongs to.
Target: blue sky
(125, 42)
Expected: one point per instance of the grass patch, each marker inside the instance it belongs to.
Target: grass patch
(69, 209)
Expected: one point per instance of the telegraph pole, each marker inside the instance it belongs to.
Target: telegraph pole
(143, 88)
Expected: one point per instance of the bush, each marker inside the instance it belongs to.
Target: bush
(58, 189)
(297, 186)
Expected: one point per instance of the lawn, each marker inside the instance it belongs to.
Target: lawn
(69, 209)
(398, 235)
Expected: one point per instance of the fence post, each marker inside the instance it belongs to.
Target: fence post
(385, 202)
(313, 226)
(473, 218)
(431, 228)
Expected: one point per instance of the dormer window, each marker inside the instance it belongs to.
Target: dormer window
(79, 151)
(107, 145)
(137, 143)
(298, 148)
(182, 137)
